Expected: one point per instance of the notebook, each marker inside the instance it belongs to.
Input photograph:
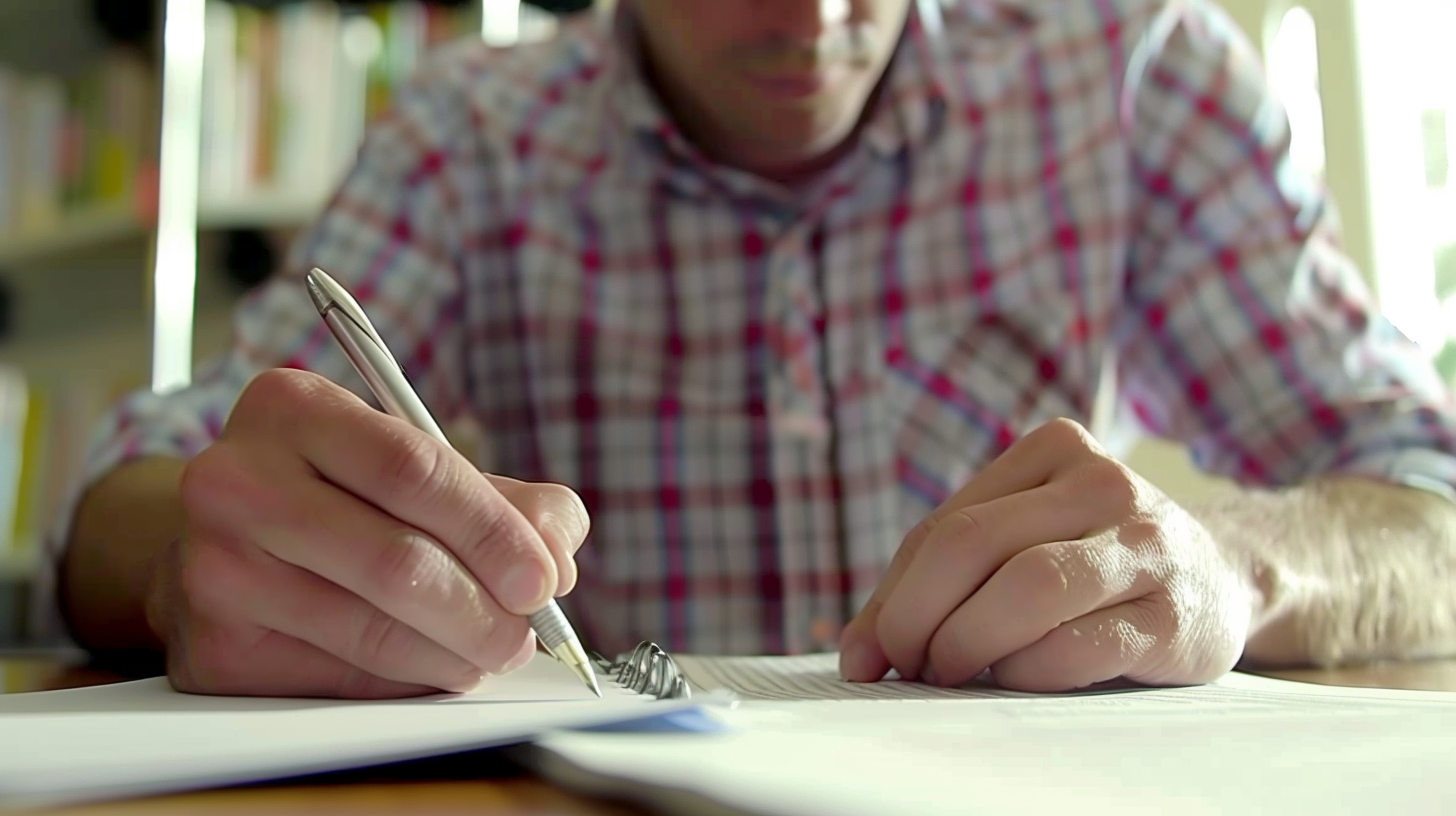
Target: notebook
(141, 737)
(803, 741)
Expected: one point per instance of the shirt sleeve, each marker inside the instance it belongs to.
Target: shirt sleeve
(390, 235)
(1250, 337)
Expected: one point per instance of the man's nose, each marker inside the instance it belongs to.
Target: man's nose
(801, 20)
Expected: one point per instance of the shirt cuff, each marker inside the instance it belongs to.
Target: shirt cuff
(1422, 468)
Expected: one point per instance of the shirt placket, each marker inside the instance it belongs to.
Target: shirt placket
(799, 408)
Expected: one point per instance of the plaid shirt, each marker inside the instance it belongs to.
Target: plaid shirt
(757, 392)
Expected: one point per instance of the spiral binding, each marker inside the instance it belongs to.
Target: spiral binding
(647, 669)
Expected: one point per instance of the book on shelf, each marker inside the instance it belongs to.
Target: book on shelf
(288, 90)
(82, 142)
(45, 426)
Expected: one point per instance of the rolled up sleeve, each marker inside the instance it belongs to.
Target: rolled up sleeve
(1251, 337)
(389, 235)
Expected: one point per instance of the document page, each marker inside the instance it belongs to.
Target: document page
(142, 736)
(801, 741)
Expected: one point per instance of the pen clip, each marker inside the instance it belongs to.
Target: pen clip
(327, 294)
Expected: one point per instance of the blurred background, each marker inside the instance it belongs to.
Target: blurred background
(129, 226)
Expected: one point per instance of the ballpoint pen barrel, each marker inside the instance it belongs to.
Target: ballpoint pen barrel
(387, 381)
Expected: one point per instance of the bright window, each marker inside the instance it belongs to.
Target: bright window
(1293, 56)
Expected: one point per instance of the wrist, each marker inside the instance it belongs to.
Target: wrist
(1245, 527)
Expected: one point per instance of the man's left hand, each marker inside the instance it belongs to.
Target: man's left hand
(1056, 567)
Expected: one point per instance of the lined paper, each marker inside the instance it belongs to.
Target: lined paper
(804, 742)
(816, 677)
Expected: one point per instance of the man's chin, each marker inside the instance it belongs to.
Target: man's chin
(796, 159)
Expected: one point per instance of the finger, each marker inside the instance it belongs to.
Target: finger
(963, 552)
(557, 513)
(1028, 463)
(403, 573)
(268, 592)
(409, 475)
(1032, 594)
(251, 661)
(861, 658)
(1103, 645)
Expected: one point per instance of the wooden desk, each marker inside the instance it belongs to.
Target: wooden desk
(483, 783)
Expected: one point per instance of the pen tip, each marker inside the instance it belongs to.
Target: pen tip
(321, 299)
(588, 677)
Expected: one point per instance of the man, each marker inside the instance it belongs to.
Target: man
(808, 303)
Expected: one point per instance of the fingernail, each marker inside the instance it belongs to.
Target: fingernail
(523, 588)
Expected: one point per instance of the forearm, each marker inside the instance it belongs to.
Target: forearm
(123, 523)
(1342, 571)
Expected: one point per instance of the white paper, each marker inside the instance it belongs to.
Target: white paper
(143, 737)
(1243, 745)
(816, 677)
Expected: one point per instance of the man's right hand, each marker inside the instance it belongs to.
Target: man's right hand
(331, 550)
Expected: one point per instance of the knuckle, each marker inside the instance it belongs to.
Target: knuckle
(560, 509)
(919, 534)
(494, 537)
(409, 564)
(535, 501)
(1041, 570)
(957, 542)
(1141, 629)
(571, 503)
(379, 640)
(1042, 577)
(411, 467)
(206, 479)
(1147, 539)
(273, 392)
(1064, 431)
(1112, 485)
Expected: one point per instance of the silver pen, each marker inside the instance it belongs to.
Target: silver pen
(386, 378)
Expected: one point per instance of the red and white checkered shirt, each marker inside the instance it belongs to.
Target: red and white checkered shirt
(757, 392)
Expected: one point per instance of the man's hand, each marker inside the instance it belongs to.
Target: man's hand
(332, 550)
(1056, 567)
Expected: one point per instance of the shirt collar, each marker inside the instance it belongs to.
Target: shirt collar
(954, 54)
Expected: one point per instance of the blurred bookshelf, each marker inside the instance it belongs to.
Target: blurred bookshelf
(270, 109)
(76, 155)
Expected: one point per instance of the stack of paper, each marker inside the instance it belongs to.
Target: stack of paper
(799, 741)
(805, 742)
(142, 737)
